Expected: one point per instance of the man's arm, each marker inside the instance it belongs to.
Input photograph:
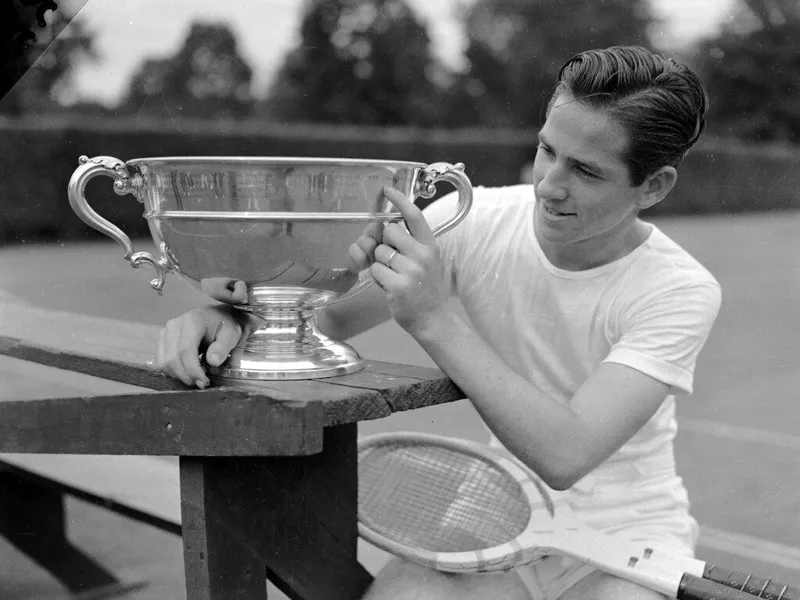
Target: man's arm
(560, 443)
(346, 319)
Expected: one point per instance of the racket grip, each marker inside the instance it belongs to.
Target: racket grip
(760, 588)
(697, 588)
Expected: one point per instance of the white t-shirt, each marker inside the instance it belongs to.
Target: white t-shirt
(651, 310)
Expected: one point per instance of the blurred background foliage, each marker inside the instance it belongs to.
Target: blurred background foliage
(369, 62)
(56, 50)
(362, 81)
(752, 70)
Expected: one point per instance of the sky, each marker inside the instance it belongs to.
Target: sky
(129, 31)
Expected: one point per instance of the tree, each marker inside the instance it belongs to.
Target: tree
(20, 21)
(49, 65)
(771, 13)
(751, 69)
(515, 48)
(207, 78)
(358, 61)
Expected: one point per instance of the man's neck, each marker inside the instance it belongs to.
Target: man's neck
(597, 251)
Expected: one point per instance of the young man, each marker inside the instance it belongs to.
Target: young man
(585, 321)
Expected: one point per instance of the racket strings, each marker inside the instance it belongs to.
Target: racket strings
(438, 499)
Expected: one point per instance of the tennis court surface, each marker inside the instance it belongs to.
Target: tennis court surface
(738, 448)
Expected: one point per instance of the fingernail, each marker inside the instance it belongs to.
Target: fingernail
(200, 383)
(214, 359)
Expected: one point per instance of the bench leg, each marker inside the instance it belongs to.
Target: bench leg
(295, 517)
(32, 518)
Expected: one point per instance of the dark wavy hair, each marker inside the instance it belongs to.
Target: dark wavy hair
(661, 103)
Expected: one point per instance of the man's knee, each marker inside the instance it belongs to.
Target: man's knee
(403, 580)
(602, 586)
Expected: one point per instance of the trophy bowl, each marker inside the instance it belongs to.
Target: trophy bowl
(281, 225)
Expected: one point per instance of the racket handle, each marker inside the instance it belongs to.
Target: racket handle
(697, 588)
(760, 588)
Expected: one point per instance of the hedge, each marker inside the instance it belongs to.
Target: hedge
(37, 158)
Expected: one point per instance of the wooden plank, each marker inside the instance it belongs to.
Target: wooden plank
(218, 562)
(144, 488)
(404, 388)
(402, 370)
(296, 516)
(395, 388)
(371, 380)
(99, 363)
(340, 403)
(422, 394)
(220, 422)
(123, 352)
(32, 518)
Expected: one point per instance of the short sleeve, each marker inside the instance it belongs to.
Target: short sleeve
(662, 335)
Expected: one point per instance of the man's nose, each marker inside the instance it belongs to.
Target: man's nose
(553, 185)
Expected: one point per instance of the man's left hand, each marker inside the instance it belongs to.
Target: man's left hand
(409, 268)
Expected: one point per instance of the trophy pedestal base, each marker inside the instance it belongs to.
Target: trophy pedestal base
(294, 369)
(280, 352)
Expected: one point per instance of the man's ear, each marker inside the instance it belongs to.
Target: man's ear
(656, 187)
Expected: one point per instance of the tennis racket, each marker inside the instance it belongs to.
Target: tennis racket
(459, 507)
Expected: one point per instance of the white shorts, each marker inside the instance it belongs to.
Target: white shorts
(639, 506)
(550, 577)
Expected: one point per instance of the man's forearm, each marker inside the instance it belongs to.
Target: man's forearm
(344, 320)
(546, 435)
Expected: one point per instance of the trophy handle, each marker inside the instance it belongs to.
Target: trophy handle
(425, 187)
(124, 184)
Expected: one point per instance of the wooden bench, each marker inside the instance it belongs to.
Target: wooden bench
(143, 488)
(266, 474)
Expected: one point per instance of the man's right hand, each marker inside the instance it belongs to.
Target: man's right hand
(362, 251)
(214, 330)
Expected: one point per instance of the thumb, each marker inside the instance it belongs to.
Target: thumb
(227, 337)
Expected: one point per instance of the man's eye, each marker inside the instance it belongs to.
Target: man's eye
(588, 173)
(546, 150)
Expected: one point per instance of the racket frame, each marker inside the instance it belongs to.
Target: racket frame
(651, 568)
(452, 562)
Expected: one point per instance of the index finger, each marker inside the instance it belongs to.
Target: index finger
(415, 220)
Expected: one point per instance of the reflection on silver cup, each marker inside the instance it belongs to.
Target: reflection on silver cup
(281, 226)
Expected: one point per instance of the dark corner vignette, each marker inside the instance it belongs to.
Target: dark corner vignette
(20, 21)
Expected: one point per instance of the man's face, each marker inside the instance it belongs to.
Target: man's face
(583, 188)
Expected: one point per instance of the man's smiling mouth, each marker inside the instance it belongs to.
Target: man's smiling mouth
(552, 211)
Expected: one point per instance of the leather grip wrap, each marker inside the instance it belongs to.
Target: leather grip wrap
(756, 586)
(697, 588)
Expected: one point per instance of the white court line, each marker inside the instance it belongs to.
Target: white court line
(746, 546)
(739, 433)
(738, 544)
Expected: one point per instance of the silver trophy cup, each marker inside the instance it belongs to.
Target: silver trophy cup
(283, 226)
